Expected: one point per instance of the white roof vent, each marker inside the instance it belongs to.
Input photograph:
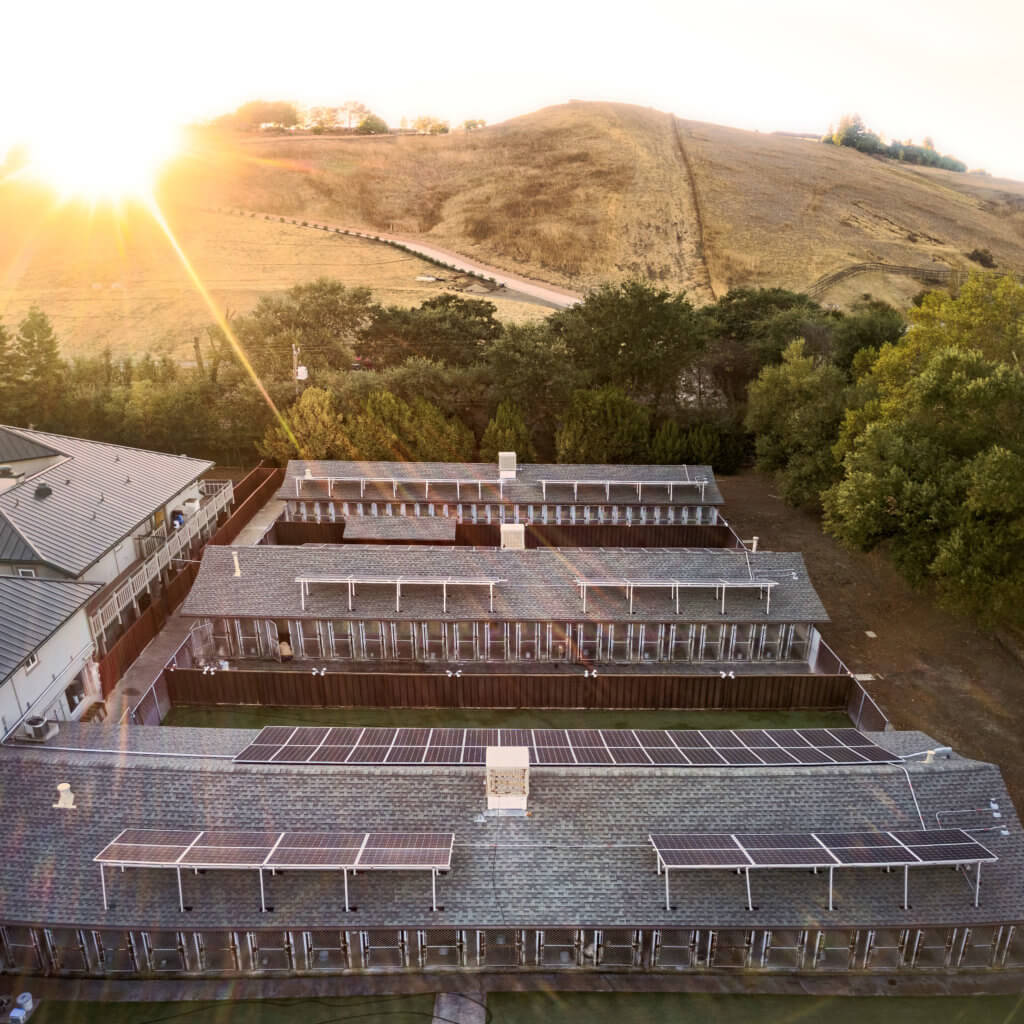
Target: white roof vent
(513, 536)
(508, 778)
(65, 798)
(507, 465)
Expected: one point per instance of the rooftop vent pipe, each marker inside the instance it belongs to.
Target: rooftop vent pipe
(43, 491)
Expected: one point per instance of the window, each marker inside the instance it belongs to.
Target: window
(31, 661)
(28, 574)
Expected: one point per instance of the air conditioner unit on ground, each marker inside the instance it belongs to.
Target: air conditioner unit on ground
(37, 729)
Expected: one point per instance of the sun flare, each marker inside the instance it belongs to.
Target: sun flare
(100, 162)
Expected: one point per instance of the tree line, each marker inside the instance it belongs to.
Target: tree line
(909, 440)
(854, 133)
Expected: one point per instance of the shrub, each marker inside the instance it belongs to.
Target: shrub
(982, 256)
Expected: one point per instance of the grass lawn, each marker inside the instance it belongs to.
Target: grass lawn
(234, 717)
(365, 1009)
(657, 1008)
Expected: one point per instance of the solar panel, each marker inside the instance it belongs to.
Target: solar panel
(795, 856)
(443, 755)
(952, 853)
(685, 747)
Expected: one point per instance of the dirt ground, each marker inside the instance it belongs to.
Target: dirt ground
(933, 670)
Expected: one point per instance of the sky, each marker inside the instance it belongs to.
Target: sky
(950, 70)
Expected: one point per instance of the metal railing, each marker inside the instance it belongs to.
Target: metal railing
(217, 495)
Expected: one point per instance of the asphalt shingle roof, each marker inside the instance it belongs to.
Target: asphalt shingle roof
(99, 494)
(31, 610)
(582, 858)
(525, 488)
(538, 584)
(399, 528)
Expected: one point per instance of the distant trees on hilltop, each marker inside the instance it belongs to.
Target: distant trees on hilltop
(852, 132)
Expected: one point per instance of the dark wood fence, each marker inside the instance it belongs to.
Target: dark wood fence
(130, 644)
(589, 535)
(369, 689)
(267, 482)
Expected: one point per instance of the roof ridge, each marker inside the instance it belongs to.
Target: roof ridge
(105, 444)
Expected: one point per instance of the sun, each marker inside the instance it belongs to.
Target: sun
(100, 162)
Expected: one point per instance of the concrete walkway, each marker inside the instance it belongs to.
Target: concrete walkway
(460, 1008)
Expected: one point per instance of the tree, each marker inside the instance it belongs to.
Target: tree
(252, 115)
(446, 328)
(794, 411)
(531, 368)
(8, 379)
(921, 463)
(372, 125)
(634, 336)
(507, 432)
(430, 126)
(387, 428)
(314, 430)
(605, 426)
(38, 368)
(870, 324)
(322, 318)
(473, 124)
(354, 111)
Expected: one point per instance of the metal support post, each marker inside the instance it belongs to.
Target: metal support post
(181, 895)
(263, 894)
(433, 889)
(977, 882)
(103, 886)
(906, 886)
(344, 875)
(831, 871)
(668, 901)
(750, 899)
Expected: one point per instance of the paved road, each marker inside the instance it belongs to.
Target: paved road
(558, 298)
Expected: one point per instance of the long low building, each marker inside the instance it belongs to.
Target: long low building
(160, 852)
(482, 493)
(445, 604)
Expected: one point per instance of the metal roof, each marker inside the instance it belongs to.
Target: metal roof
(99, 494)
(15, 447)
(537, 584)
(582, 858)
(31, 611)
(691, 485)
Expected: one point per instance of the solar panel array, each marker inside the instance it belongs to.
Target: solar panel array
(225, 848)
(281, 744)
(819, 849)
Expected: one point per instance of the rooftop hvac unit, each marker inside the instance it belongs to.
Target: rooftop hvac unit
(507, 465)
(513, 536)
(508, 778)
(38, 729)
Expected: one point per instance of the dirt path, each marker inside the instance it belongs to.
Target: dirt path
(933, 671)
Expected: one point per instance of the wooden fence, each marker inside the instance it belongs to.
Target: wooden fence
(414, 690)
(584, 535)
(266, 482)
(113, 665)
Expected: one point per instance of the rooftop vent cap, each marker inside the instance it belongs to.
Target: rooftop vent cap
(513, 536)
(65, 798)
(507, 465)
(43, 491)
(507, 778)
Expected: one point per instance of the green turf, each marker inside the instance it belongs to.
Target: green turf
(365, 1009)
(234, 717)
(660, 1008)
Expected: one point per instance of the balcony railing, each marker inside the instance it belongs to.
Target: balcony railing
(216, 496)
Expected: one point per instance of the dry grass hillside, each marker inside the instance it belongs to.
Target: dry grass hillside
(115, 282)
(576, 195)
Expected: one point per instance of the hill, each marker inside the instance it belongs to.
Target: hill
(574, 195)
(584, 193)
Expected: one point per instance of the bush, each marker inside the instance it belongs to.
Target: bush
(982, 256)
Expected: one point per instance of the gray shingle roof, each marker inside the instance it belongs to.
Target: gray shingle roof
(16, 448)
(582, 858)
(31, 610)
(526, 487)
(538, 584)
(397, 528)
(100, 494)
